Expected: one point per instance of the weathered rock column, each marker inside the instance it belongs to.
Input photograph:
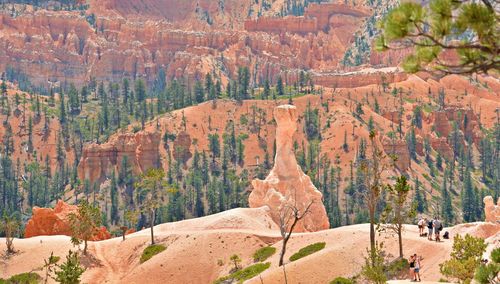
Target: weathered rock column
(491, 211)
(286, 184)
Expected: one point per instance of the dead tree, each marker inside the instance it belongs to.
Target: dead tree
(290, 215)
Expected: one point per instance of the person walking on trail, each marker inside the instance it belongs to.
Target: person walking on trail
(412, 267)
(416, 270)
(437, 229)
(420, 224)
(430, 225)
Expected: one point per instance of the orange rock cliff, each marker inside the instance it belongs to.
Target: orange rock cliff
(51, 222)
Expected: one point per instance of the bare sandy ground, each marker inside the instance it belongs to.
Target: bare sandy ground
(198, 251)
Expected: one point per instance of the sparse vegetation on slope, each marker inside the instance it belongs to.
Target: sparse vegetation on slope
(342, 280)
(263, 254)
(308, 250)
(245, 274)
(23, 278)
(151, 251)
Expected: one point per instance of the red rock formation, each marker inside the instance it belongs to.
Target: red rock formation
(399, 149)
(51, 222)
(442, 123)
(323, 12)
(99, 160)
(290, 24)
(441, 146)
(286, 185)
(317, 17)
(129, 40)
(491, 211)
(359, 78)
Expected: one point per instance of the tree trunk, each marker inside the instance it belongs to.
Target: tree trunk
(85, 247)
(372, 235)
(152, 223)
(400, 239)
(283, 250)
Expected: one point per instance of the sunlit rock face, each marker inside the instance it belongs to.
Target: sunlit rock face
(52, 222)
(491, 211)
(287, 185)
(100, 160)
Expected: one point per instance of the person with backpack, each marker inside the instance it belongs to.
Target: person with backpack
(438, 227)
(430, 225)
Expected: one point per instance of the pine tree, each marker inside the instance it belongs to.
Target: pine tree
(468, 198)
(62, 109)
(419, 198)
(279, 87)
(447, 208)
(114, 199)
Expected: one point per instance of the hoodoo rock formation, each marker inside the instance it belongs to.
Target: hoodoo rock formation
(52, 222)
(99, 160)
(286, 184)
(491, 211)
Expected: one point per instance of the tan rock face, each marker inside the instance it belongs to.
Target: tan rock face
(398, 148)
(51, 222)
(287, 184)
(491, 211)
(99, 160)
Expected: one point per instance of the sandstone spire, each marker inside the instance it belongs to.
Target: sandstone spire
(287, 183)
(491, 211)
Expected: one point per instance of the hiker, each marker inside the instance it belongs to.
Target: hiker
(430, 225)
(412, 267)
(421, 223)
(437, 229)
(416, 270)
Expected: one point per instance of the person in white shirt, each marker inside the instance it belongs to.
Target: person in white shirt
(420, 224)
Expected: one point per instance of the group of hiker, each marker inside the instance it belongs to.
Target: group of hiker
(434, 227)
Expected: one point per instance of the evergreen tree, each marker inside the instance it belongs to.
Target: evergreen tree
(419, 198)
(280, 89)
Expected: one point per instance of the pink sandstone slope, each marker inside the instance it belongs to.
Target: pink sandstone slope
(198, 251)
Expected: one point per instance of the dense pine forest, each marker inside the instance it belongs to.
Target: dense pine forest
(207, 182)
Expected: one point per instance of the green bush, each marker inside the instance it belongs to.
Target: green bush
(342, 280)
(305, 251)
(245, 274)
(23, 278)
(151, 251)
(488, 273)
(263, 253)
(398, 268)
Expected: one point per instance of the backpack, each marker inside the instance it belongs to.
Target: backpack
(440, 227)
(429, 225)
(446, 235)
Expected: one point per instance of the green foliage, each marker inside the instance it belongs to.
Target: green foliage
(308, 250)
(342, 280)
(236, 260)
(70, 271)
(263, 253)
(23, 278)
(465, 258)
(84, 223)
(489, 273)
(472, 25)
(151, 251)
(374, 268)
(244, 274)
